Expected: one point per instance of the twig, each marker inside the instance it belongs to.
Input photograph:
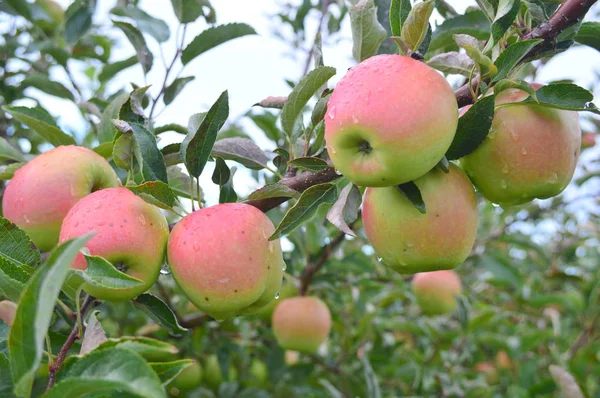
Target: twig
(194, 320)
(313, 268)
(73, 336)
(309, 56)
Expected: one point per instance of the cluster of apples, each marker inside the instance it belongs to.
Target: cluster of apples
(220, 256)
(391, 119)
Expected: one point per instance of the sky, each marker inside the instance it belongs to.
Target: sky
(254, 67)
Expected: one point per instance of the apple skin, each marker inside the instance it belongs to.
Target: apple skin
(489, 370)
(259, 374)
(222, 259)
(213, 376)
(288, 290)
(189, 378)
(588, 140)
(408, 241)
(128, 231)
(301, 323)
(402, 109)
(8, 309)
(436, 291)
(42, 192)
(530, 152)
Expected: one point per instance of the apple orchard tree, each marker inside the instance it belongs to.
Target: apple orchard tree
(418, 258)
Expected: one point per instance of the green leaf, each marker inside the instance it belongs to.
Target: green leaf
(106, 128)
(150, 349)
(319, 110)
(155, 192)
(276, 190)
(309, 163)
(345, 209)
(415, 27)
(145, 22)
(110, 70)
(452, 62)
(370, 377)
(501, 270)
(9, 152)
(506, 84)
(241, 150)
(93, 336)
(305, 208)
(213, 37)
(472, 128)
(399, 10)
(22, 8)
(27, 335)
(34, 119)
(136, 38)
(153, 161)
(8, 171)
(473, 23)
(222, 174)
(511, 56)
(189, 10)
(6, 383)
(175, 88)
(197, 145)
(43, 83)
(16, 246)
(132, 110)
(564, 96)
(180, 183)
(78, 19)
(413, 194)
(367, 32)
(101, 273)
(485, 64)
(108, 370)
(301, 94)
(505, 16)
(12, 279)
(227, 193)
(589, 35)
(167, 371)
(160, 312)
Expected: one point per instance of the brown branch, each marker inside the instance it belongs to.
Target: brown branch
(569, 13)
(73, 336)
(312, 269)
(299, 183)
(194, 320)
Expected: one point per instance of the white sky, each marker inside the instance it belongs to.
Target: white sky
(254, 67)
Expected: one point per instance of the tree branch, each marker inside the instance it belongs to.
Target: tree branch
(312, 269)
(73, 336)
(194, 320)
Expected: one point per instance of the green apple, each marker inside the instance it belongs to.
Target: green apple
(436, 291)
(189, 378)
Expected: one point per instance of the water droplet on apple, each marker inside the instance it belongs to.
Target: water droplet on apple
(492, 134)
(165, 269)
(142, 219)
(27, 220)
(97, 204)
(277, 296)
(380, 259)
(284, 266)
(524, 151)
(505, 168)
(504, 184)
(338, 172)
(354, 119)
(554, 177)
(514, 136)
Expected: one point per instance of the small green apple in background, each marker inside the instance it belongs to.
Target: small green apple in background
(409, 241)
(8, 309)
(588, 140)
(288, 290)
(42, 192)
(259, 374)
(129, 232)
(530, 152)
(436, 291)
(389, 120)
(213, 376)
(188, 379)
(301, 323)
(222, 259)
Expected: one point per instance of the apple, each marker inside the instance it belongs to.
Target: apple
(259, 374)
(8, 309)
(42, 192)
(389, 120)
(189, 378)
(288, 290)
(213, 375)
(129, 232)
(408, 241)
(588, 140)
(489, 370)
(222, 259)
(436, 291)
(530, 152)
(301, 323)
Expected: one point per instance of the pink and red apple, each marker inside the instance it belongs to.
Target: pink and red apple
(42, 192)
(8, 309)
(436, 291)
(389, 120)
(129, 232)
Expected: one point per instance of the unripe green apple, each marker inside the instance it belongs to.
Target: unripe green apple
(42, 192)
(301, 323)
(259, 374)
(408, 241)
(530, 152)
(189, 378)
(129, 232)
(213, 376)
(8, 309)
(436, 291)
(222, 259)
(389, 120)
(288, 290)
